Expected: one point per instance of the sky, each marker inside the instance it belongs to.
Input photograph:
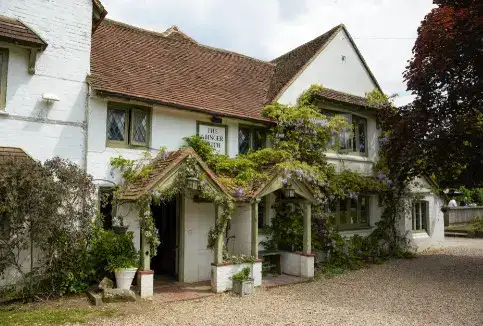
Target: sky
(384, 30)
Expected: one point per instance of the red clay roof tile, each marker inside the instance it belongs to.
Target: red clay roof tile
(14, 31)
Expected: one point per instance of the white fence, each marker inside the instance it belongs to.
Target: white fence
(456, 215)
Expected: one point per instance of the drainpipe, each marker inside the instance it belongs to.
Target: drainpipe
(86, 124)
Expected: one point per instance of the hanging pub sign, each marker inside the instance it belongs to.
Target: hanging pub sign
(215, 135)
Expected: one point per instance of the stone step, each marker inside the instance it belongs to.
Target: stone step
(458, 234)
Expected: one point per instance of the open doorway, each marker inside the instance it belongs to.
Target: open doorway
(166, 219)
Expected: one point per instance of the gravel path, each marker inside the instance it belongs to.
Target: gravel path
(438, 288)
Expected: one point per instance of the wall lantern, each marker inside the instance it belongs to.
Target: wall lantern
(216, 119)
(193, 183)
(288, 191)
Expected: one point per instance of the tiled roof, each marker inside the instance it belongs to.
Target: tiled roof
(344, 98)
(14, 31)
(292, 63)
(7, 153)
(172, 69)
(178, 72)
(162, 166)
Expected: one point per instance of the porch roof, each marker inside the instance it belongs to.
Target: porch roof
(14, 31)
(163, 167)
(7, 153)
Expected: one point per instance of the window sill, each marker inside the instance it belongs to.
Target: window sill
(114, 145)
(348, 157)
(420, 235)
(4, 112)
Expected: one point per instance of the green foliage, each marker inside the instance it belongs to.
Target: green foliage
(48, 207)
(52, 316)
(238, 259)
(476, 224)
(111, 251)
(474, 195)
(243, 275)
(286, 230)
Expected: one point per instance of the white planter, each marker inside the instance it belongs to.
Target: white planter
(124, 277)
(243, 288)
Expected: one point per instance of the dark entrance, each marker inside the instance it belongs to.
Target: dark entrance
(166, 219)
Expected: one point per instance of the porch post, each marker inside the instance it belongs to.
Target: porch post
(220, 239)
(255, 227)
(307, 249)
(145, 253)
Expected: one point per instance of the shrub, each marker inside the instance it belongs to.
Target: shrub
(110, 252)
(243, 275)
(46, 215)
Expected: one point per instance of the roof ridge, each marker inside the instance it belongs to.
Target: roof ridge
(193, 42)
(330, 31)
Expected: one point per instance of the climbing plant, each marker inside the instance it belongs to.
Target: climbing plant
(300, 135)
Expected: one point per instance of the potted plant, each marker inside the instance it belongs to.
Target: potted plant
(119, 227)
(242, 282)
(116, 253)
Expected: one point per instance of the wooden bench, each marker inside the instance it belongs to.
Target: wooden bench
(271, 253)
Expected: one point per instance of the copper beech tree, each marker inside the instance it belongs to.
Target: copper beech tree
(441, 132)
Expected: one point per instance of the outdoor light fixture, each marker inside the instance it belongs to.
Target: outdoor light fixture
(288, 192)
(193, 183)
(215, 119)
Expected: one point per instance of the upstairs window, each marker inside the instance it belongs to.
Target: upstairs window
(3, 77)
(127, 125)
(419, 216)
(353, 140)
(251, 138)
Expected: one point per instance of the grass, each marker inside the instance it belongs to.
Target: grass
(52, 316)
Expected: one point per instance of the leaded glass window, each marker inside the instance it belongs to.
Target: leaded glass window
(243, 140)
(116, 124)
(127, 125)
(251, 138)
(139, 126)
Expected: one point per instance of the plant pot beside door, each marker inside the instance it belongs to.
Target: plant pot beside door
(122, 258)
(243, 283)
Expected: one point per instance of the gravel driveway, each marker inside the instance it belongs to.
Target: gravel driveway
(438, 288)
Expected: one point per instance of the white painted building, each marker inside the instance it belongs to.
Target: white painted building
(123, 90)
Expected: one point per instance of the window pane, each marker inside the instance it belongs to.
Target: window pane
(259, 139)
(140, 126)
(362, 137)
(345, 136)
(353, 211)
(364, 201)
(424, 217)
(243, 140)
(343, 212)
(418, 215)
(1, 69)
(116, 124)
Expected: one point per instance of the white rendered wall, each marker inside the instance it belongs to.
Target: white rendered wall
(328, 69)
(130, 215)
(43, 130)
(168, 128)
(198, 218)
